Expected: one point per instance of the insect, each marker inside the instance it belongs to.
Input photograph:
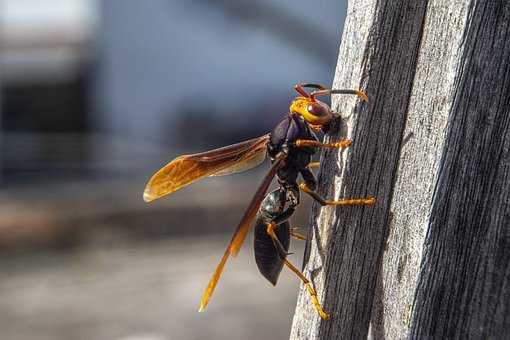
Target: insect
(290, 147)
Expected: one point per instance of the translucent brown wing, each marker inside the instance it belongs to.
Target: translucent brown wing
(242, 230)
(187, 169)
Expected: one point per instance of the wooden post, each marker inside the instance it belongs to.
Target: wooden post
(432, 258)
(463, 288)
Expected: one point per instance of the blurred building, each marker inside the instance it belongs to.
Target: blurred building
(196, 73)
(45, 53)
(228, 62)
(95, 96)
(45, 59)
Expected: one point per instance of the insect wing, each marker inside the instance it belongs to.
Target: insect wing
(248, 217)
(187, 169)
(241, 230)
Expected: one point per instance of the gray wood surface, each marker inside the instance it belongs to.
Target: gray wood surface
(431, 98)
(431, 259)
(464, 284)
(378, 53)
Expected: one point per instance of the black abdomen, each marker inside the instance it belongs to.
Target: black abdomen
(269, 261)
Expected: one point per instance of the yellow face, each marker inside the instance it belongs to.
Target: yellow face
(314, 112)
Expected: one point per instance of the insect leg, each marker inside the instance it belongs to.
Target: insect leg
(306, 143)
(282, 217)
(313, 293)
(309, 178)
(314, 165)
(278, 245)
(353, 201)
(296, 235)
(306, 282)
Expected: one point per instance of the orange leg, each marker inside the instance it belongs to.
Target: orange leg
(314, 165)
(311, 291)
(316, 144)
(296, 235)
(279, 246)
(306, 282)
(317, 128)
(323, 202)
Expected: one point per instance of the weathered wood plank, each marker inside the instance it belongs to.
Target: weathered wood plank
(379, 52)
(431, 98)
(434, 146)
(464, 285)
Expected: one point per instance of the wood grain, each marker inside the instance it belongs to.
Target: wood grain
(378, 53)
(431, 98)
(432, 258)
(464, 285)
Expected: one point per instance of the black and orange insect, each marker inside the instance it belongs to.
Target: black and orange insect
(290, 147)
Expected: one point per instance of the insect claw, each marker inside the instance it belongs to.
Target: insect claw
(296, 235)
(362, 95)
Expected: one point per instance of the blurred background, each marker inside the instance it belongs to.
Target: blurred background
(97, 95)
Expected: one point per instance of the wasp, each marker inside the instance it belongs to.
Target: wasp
(290, 147)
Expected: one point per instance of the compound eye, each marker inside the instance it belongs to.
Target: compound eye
(317, 110)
